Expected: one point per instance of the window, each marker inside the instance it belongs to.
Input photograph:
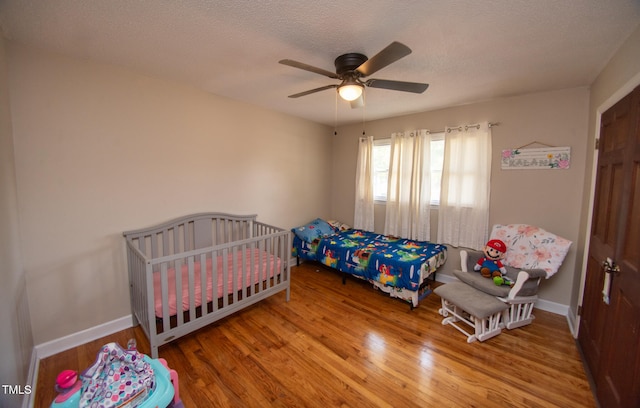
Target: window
(437, 162)
(381, 156)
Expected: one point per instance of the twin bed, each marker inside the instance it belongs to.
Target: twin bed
(192, 271)
(397, 266)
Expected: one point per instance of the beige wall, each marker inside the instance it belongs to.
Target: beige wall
(100, 150)
(550, 199)
(15, 337)
(96, 147)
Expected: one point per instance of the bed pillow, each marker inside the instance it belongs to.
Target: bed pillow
(315, 229)
(338, 226)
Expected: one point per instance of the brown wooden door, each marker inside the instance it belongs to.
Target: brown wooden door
(609, 332)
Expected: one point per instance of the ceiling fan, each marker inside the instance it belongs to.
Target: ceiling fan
(352, 67)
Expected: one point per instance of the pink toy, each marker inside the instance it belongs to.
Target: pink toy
(67, 385)
(177, 403)
(66, 379)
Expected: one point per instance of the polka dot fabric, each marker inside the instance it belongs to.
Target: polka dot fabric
(117, 377)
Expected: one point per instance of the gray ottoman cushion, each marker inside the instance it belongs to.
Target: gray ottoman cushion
(474, 302)
(530, 288)
(486, 285)
(473, 278)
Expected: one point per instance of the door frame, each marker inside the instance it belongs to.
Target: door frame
(614, 98)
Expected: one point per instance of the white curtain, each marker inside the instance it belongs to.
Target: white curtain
(409, 186)
(463, 217)
(363, 216)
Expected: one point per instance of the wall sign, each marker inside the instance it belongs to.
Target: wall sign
(536, 158)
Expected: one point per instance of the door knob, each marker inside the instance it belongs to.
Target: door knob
(609, 266)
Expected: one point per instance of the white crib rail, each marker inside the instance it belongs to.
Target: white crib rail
(140, 302)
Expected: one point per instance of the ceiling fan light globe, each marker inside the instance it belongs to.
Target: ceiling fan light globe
(350, 92)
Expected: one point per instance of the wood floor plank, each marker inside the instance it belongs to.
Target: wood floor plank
(352, 346)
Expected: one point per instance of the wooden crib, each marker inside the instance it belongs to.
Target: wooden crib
(189, 272)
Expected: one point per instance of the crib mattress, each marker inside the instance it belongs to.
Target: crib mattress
(258, 265)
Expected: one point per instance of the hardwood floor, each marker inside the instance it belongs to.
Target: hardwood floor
(356, 348)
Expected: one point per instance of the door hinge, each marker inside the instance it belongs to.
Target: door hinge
(597, 144)
(579, 312)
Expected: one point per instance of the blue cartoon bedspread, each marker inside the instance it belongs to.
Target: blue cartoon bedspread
(392, 261)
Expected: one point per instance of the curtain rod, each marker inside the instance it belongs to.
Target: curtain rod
(458, 128)
(466, 127)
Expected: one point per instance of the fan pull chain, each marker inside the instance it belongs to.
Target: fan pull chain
(364, 110)
(335, 121)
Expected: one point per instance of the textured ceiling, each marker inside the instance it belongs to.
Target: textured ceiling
(467, 50)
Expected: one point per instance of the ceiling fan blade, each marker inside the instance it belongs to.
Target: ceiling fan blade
(357, 103)
(389, 55)
(322, 88)
(309, 68)
(414, 87)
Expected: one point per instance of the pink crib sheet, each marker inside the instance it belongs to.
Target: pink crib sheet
(269, 264)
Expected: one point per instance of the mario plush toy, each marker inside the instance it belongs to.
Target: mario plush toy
(490, 265)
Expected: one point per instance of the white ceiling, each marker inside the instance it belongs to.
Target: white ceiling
(467, 50)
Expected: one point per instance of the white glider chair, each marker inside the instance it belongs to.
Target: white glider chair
(532, 254)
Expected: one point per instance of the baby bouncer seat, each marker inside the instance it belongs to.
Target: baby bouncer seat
(532, 254)
(120, 378)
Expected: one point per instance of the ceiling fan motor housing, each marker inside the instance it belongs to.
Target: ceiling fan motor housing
(349, 62)
(353, 66)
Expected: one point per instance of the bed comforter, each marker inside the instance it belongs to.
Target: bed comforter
(391, 261)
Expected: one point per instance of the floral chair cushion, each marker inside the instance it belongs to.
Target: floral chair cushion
(530, 247)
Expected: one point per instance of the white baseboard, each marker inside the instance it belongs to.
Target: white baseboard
(76, 339)
(293, 261)
(553, 307)
(541, 304)
(573, 325)
(56, 346)
(32, 378)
